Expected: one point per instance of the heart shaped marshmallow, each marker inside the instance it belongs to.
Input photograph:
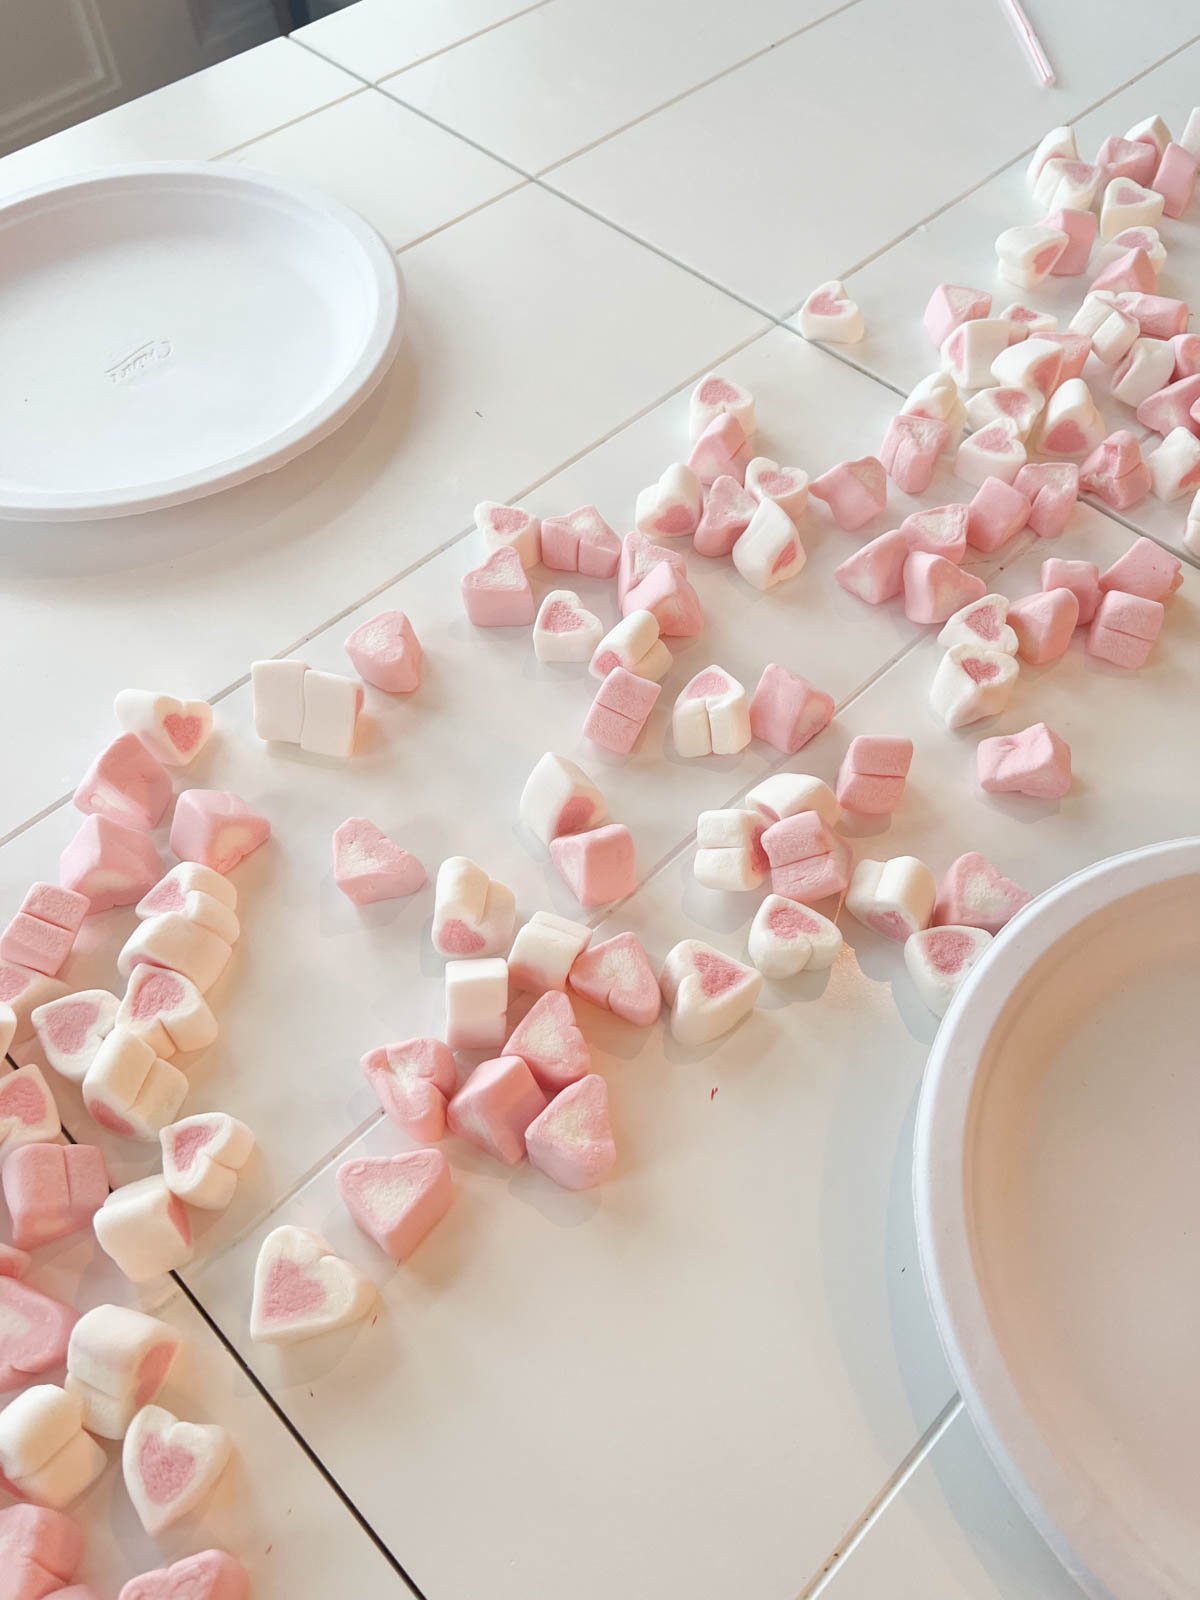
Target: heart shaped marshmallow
(170, 1466)
(301, 1288)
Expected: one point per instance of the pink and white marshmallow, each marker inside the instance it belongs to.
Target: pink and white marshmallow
(1027, 320)
(1021, 407)
(1172, 407)
(635, 644)
(830, 315)
(34, 1329)
(580, 541)
(476, 1003)
(1081, 577)
(173, 730)
(894, 898)
(809, 862)
(117, 1361)
(715, 396)
(616, 974)
(166, 1010)
(496, 594)
(951, 304)
(1067, 185)
(910, 450)
(997, 451)
(639, 557)
(571, 1141)
(721, 451)
(52, 1191)
(386, 653)
(369, 866)
(413, 1081)
(787, 486)
(786, 938)
(1158, 316)
(1071, 426)
(70, 1029)
(972, 682)
(22, 991)
(1122, 633)
(559, 797)
(1051, 489)
(969, 352)
(1028, 254)
(1034, 364)
(1080, 229)
(874, 770)
(875, 572)
(769, 552)
(42, 933)
(1145, 569)
(544, 951)
(1059, 144)
(666, 592)
(495, 1106)
(216, 828)
(1146, 367)
(473, 914)
(1044, 623)
(396, 1200)
(202, 1157)
(211, 1575)
(854, 491)
(1148, 240)
(708, 992)
(711, 715)
(974, 894)
(189, 877)
(39, 1551)
(1111, 330)
(28, 1114)
(787, 794)
(786, 711)
(729, 852)
(671, 507)
(937, 397)
(940, 531)
(1115, 471)
(1034, 762)
(728, 507)
(983, 622)
(1175, 466)
(171, 1467)
(939, 959)
(1128, 204)
(510, 528)
(620, 710)
(997, 513)
(302, 1288)
(934, 588)
(110, 864)
(131, 1091)
(1126, 158)
(127, 783)
(44, 1452)
(597, 866)
(564, 629)
(549, 1042)
(179, 944)
(1132, 272)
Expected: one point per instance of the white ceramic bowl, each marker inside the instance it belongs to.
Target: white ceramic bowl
(1057, 1189)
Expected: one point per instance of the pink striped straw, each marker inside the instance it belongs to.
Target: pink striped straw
(1030, 43)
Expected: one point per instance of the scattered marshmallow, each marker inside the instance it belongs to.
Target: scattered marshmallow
(1145, 569)
(386, 653)
(202, 1157)
(145, 1229)
(549, 1042)
(1081, 577)
(559, 797)
(970, 351)
(1189, 139)
(597, 866)
(937, 397)
(44, 1452)
(786, 711)
(708, 993)
(52, 1190)
(1132, 272)
(809, 861)
(396, 1200)
(173, 730)
(172, 891)
(413, 1081)
(473, 914)
(1148, 240)
(495, 1106)
(1144, 369)
(544, 952)
(216, 828)
(1115, 471)
(974, 894)
(39, 1551)
(117, 1361)
(997, 451)
(1158, 316)
(972, 682)
(728, 507)
(1126, 158)
(620, 710)
(368, 866)
(1034, 762)
(910, 450)
(633, 643)
(711, 715)
(871, 778)
(127, 783)
(476, 1003)
(28, 1114)
(303, 1289)
(1028, 320)
(571, 1141)
(1080, 229)
(1071, 426)
(331, 707)
(939, 530)
(496, 594)
(1043, 623)
(564, 629)
(950, 305)
(721, 451)
(786, 938)
(939, 959)
(211, 1575)
(1111, 330)
(854, 491)
(42, 933)
(1021, 407)
(894, 897)
(1175, 179)
(982, 622)
(1185, 348)
(71, 1028)
(131, 1091)
(1059, 144)
(666, 592)
(509, 528)
(1124, 629)
(1067, 185)
(671, 507)
(1035, 364)
(787, 794)
(616, 974)
(712, 397)
(1073, 349)
(34, 1329)
(1172, 407)
(934, 588)
(22, 991)
(875, 572)
(174, 941)
(170, 1467)
(787, 486)
(580, 541)
(1128, 204)
(109, 863)
(1191, 532)
(277, 690)
(729, 852)
(997, 513)
(1027, 254)
(1051, 488)
(639, 557)
(830, 315)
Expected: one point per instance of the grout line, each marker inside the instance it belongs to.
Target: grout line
(292, 122)
(501, 22)
(875, 1507)
(461, 217)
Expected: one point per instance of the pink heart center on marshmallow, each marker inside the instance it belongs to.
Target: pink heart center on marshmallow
(290, 1292)
(1067, 436)
(827, 305)
(161, 992)
(980, 671)
(460, 940)
(506, 520)
(69, 1025)
(575, 816)
(789, 922)
(890, 923)
(948, 950)
(716, 976)
(985, 623)
(22, 1100)
(716, 392)
(183, 732)
(559, 617)
(776, 482)
(167, 897)
(708, 683)
(676, 519)
(188, 1144)
(166, 1470)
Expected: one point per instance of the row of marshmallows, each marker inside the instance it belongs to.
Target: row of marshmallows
(40, 1552)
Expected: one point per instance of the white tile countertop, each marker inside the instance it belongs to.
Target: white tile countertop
(717, 1373)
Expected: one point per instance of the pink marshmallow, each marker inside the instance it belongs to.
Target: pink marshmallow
(854, 491)
(666, 593)
(580, 541)
(216, 829)
(941, 531)
(1034, 762)
(875, 572)
(997, 513)
(1051, 489)
(1157, 315)
(413, 1081)
(1043, 623)
(616, 974)
(162, 1007)
(53, 1190)
(1172, 407)
(495, 1106)
(1115, 471)
(871, 778)
(396, 1200)
(639, 556)
(1124, 629)
(910, 451)
(728, 509)
(721, 451)
(1175, 180)
(1027, 320)
(386, 653)
(934, 588)
(1081, 577)
(1127, 158)
(974, 894)
(42, 933)
(808, 861)
(14, 1263)
(211, 1575)
(571, 1141)
(108, 863)
(549, 1043)
(618, 713)
(39, 1552)
(951, 304)
(34, 1333)
(1185, 348)
(597, 866)
(125, 783)
(1132, 271)
(368, 866)
(1080, 229)
(670, 508)
(1146, 569)
(1074, 350)
(496, 594)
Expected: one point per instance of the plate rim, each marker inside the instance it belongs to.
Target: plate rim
(334, 407)
(1098, 1559)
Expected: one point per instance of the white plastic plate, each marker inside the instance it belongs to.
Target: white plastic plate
(1057, 1185)
(168, 330)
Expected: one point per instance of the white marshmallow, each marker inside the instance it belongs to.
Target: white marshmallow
(1145, 368)
(564, 629)
(544, 951)
(729, 852)
(997, 451)
(981, 622)
(473, 914)
(476, 1003)
(28, 1114)
(559, 797)
(331, 707)
(509, 526)
(1151, 130)
(894, 897)
(172, 940)
(202, 1156)
(1070, 427)
(144, 1228)
(1175, 465)
(169, 1466)
(787, 794)
(131, 1091)
(1127, 204)
(711, 715)
(787, 486)
(71, 1028)
(969, 350)
(712, 397)
(972, 682)
(292, 1258)
(8, 1026)
(708, 992)
(829, 314)
(633, 643)
(277, 690)
(1067, 185)
(1027, 319)
(769, 552)
(23, 991)
(1191, 532)
(939, 959)
(1034, 364)
(1147, 239)
(1060, 143)
(937, 398)
(1028, 254)
(787, 938)
(173, 730)
(1190, 137)
(671, 507)
(1111, 330)
(44, 1451)
(172, 889)
(1021, 407)
(117, 1361)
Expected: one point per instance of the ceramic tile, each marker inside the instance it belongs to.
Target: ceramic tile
(376, 37)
